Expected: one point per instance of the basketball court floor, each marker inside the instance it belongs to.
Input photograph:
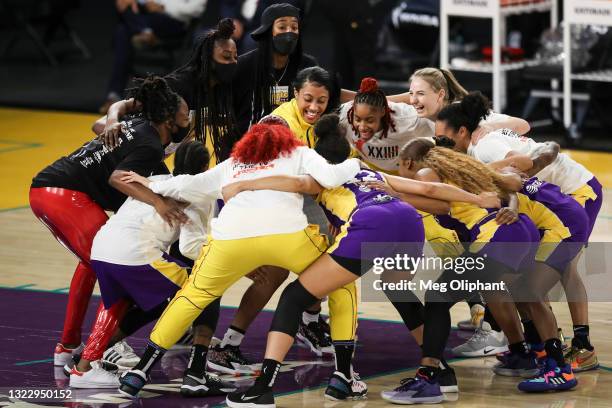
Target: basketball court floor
(35, 272)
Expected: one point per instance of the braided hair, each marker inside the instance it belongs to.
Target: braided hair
(263, 88)
(159, 102)
(370, 94)
(214, 112)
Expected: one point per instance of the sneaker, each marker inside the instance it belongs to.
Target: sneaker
(97, 377)
(517, 365)
(341, 388)
(477, 313)
(204, 386)
(110, 367)
(229, 359)
(315, 338)
(121, 355)
(550, 378)
(63, 355)
(581, 359)
(132, 382)
(251, 399)
(417, 390)
(484, 342)
(324, 325)
(448, 380)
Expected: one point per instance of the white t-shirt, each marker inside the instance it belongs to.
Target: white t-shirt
(564, 172)
(137, 235)
(383, 153)
(263, 212)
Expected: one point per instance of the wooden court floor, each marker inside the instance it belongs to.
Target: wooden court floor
(32, 259)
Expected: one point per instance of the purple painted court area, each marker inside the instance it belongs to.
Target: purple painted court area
(31, 324)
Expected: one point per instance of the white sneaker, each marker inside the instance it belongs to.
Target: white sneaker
(121, 355)
(477, 313)
(63, 355)
(97, 377)
(484, 342)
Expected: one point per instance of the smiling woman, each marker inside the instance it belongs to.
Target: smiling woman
(316, 93)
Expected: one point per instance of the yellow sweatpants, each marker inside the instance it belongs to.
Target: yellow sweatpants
(222, 262)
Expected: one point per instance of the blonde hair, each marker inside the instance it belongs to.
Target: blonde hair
(454, 167)
(439, 79)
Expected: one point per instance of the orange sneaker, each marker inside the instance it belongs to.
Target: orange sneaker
(581, 359)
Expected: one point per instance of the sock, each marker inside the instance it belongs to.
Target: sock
(427, 372)
(488, 318)
(233, 337)
(197, 360)
(554, 350)
(152, 354)
(344, 355)
(310, 317)
(581, 337)
(531, 333)
(519, 348)
(269, 370)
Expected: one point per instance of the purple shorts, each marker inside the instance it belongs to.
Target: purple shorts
(147, 285)
(395, 224)
(513, 245)
(592, 207)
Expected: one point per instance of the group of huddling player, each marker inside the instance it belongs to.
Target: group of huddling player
(434, 164)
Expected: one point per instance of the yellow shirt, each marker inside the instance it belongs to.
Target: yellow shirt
(292, 115)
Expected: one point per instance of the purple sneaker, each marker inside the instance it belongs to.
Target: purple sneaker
(551, 378)
(517, 365)
(417, 390)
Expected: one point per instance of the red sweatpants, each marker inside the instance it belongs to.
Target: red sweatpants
(74, 219)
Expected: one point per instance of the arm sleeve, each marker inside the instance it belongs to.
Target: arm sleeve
(142, 160)
(193, 189)
(327, 175)
(491, 148)
(193, 233)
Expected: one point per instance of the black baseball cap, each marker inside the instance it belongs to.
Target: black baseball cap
(270, 14)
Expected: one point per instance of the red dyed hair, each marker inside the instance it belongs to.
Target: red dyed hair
(264, 143)
(370, 94)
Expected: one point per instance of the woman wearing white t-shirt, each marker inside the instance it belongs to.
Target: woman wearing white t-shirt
(129, 256)
(432, 89)
(255, 228)
(543, 160)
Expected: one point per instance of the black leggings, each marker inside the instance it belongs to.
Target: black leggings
(438, 305)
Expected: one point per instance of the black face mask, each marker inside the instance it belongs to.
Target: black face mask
(285, 43)
(180, 134)
(225, 72)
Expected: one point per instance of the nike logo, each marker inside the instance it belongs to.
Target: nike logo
(487, 351)
(245, 398)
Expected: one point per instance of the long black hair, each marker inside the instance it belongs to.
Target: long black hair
(159, 102)
(468, 112)
(265, 75)
(214, 112)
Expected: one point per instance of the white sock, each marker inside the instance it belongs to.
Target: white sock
(232, 337)
(308, 317)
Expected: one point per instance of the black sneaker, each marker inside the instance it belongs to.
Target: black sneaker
(229, 359)
(251, 399)
(313, 336)
(340, 388)
(204, 386)
(324, 325)
(132, 382)
(448, 380)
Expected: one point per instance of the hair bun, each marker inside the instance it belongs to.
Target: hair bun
(368, 85)
(225, 28)
(327, 125)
